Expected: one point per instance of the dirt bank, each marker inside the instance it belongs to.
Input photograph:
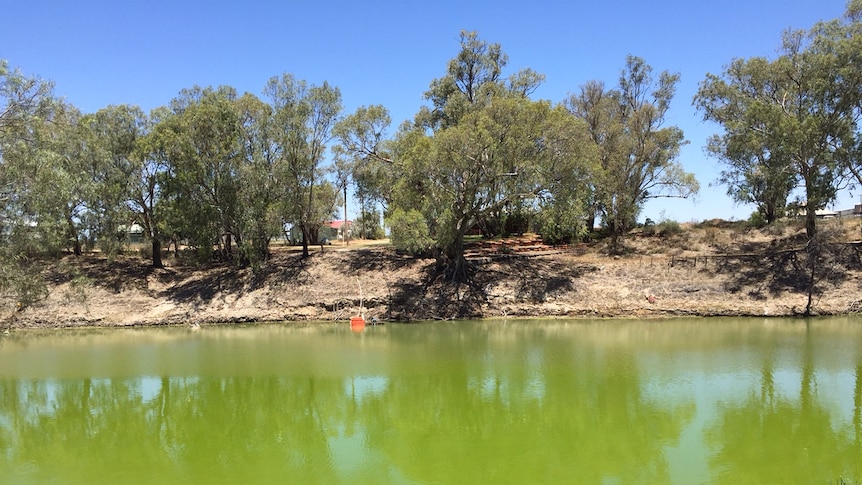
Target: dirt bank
(707, 270)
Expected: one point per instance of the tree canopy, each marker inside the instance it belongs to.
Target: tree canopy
(637, 153)
(483, 146)
(791, 121)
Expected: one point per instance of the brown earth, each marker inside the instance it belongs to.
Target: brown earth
(712, 268)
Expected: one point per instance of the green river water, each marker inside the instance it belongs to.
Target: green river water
(550, 401)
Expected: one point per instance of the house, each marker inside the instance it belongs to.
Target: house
(339, 227)
(328, 231)
(133, 234)
(819, 213)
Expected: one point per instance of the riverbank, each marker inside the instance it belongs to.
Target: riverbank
(705, 270)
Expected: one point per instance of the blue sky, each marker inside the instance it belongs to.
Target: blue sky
(384, 52)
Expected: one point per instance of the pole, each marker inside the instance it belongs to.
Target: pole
(345, 225)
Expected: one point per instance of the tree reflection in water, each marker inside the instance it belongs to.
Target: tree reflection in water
(550, 402)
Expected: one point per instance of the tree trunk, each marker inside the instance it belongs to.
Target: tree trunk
(305, 237)
(73, 234)
(228, 247)
(591, 221)
(616, 234)
(769, 213)
(157, 253)
(810, 221)
(456, 270)
(345, 226)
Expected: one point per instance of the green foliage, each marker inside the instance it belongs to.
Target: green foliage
(792, 120)
(409, 232)
(473, 78)
(758, 220)
(21, 282)
(303, 120)
(367, 225)
(637, 152)
(481, 149)
(559, 224)
(366, 153)
(668, 227)
(516, 222)
(664, 228)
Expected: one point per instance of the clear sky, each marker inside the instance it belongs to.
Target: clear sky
(144, 52)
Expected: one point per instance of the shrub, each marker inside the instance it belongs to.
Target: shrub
(668, 228)
(664, 228)
(757, 220)
(409, 232)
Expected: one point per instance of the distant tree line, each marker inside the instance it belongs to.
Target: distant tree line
(225, 173)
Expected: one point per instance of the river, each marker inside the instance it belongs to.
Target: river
(527, 401)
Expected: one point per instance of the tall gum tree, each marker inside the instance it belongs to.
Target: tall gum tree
(62, 186)
(505, 153)
(113, 135)
(147, 177)
(481, 146)
(24, 102)
(303, 120)
(637, 152)
(201, 142)
(259, 193)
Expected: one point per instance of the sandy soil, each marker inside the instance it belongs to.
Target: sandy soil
(711, 269)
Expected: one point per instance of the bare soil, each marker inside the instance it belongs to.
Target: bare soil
(712, 268)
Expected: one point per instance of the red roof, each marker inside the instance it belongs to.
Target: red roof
(337, 224)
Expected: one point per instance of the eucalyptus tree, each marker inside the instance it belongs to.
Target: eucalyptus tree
(511, 151)
(62, 184)
(799, 112)
(842, 38)
(481, 147)
(200, 141)
(366, 151)
(24, 102)
(473, 79)
(112, 136)
(754, 173)
(147, 182)
(303, 120)
(22, 99)
(637, 152)
(259, 192)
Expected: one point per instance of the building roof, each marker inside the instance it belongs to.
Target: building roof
(337, 224)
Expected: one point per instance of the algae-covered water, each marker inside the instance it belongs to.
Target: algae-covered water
(553, 401)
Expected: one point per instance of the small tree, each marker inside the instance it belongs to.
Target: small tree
(367, 225)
